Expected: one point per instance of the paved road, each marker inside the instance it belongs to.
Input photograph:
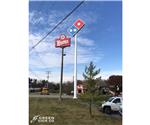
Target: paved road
(114, 115)
(49, 96)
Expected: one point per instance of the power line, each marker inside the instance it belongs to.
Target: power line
(57, 25)
(40, 59)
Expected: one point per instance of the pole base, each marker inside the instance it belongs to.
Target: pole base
(74, 97)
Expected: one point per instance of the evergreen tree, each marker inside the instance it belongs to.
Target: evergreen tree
(89, 76)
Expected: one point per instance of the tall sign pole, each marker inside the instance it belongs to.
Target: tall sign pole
(75, 68)
(62, 42)
(73, 30)
(61, 76)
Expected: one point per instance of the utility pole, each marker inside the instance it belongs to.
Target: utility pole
(48, 72)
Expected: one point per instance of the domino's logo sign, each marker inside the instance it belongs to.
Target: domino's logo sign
(73, 30)
(79, 24)
(76, 27)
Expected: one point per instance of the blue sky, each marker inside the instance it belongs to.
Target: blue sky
(99, 41)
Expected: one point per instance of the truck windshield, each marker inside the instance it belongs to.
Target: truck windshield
(110, 99)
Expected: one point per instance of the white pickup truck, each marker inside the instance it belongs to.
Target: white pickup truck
(112, 104)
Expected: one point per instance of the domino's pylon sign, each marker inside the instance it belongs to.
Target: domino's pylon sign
(73, 30)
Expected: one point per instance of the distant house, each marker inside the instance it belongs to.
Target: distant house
(102, 86)
(80, 87)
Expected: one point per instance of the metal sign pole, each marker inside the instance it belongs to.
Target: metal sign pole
(62, 42)
(61, 76)
(75, 69)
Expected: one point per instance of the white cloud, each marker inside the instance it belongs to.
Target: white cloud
(54, 76)
(46, 55)
(51, 55)
(85, 41)
(49, 20)
(36, 17)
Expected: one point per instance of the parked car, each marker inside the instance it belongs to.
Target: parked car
(120, 110)
(44, 91)
(113, 104)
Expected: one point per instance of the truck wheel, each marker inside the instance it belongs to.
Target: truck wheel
(107, 110)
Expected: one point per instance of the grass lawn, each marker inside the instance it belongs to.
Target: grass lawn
(68, 112)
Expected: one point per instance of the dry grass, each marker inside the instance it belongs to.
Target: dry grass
(68, 112)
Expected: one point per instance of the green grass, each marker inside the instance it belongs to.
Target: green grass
(68, 112)
(97, 99)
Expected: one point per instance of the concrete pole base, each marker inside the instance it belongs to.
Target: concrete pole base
(74, 97)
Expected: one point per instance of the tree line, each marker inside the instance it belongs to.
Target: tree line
(112, 82)
(92, 85)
